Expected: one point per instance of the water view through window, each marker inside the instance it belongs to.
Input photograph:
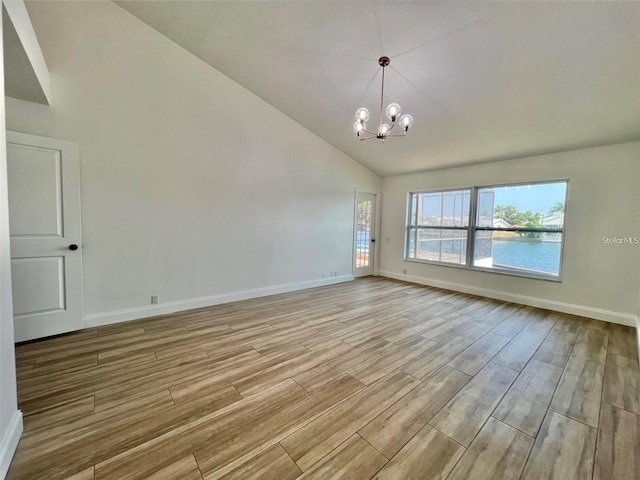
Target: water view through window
(512, 228)
(540, 256)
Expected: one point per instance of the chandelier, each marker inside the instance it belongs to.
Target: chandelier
(393, 110)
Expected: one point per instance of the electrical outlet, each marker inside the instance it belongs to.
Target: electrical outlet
(155, 300)
(404, 271)
(322, 274)
(335, 273)
(388, 239)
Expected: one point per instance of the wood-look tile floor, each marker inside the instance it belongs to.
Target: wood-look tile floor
(369, 379)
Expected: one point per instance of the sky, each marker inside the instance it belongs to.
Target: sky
(535, 198)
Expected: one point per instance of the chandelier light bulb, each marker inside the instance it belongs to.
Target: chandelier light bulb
(393, 110)
(359, 127)
(384, 129)
(362, 114)
(406, 121)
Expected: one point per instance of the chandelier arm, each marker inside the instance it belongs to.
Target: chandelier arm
(363, 139)
(397, 135)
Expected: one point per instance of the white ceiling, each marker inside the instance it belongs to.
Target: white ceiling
(483, 80)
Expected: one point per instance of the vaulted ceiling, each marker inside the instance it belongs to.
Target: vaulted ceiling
(483, 80)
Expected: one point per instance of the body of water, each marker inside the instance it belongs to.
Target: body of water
(532, 255)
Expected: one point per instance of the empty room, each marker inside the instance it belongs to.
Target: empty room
(319, 240)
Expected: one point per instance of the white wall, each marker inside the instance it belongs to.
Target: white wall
(10, 416)
(191, 185)
(599, 281)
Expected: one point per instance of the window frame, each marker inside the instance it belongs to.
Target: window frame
(472, 228)
(437, 227)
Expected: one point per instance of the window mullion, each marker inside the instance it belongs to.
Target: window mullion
(471, 233)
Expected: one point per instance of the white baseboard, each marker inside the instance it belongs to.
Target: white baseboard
(100, 319)
(589, 312)
(9, 443)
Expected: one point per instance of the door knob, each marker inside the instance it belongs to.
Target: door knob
(73, 246)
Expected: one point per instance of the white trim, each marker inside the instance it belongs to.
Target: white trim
(10, 443)
(638, 337)
(589, 312)
(99, 319)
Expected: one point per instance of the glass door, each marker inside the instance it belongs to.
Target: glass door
(364, 234)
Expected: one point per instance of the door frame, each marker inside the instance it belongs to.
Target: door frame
(376, 230)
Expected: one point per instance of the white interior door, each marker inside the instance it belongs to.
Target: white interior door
(46, 243)
(364, 234)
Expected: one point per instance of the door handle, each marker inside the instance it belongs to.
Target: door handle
(73, 247)
(373, 240)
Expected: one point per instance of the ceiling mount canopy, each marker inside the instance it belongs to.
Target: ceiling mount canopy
(392, 112)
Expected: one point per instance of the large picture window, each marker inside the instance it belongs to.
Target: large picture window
(515, 229)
